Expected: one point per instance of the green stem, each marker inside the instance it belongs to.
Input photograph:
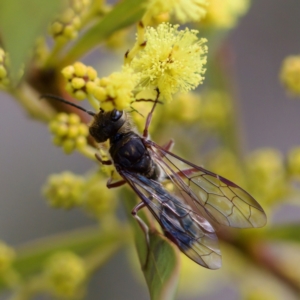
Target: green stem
(54, 54)
(29, 99)
(97, 9)
(30, 257)
(29, 289)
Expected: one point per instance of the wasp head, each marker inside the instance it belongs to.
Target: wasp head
(107, 124)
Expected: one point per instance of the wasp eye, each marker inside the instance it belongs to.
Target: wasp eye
(116, 115)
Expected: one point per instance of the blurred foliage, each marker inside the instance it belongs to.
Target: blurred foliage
(206, 120)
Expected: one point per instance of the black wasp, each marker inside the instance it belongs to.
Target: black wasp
(196, 192)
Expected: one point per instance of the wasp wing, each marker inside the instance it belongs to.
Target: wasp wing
(192, 233)
(224, 201)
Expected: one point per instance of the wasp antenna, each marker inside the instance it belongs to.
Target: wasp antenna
(60, 99)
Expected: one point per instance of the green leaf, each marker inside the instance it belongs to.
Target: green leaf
(123, 14)
(288, 232)
(162, 268)
(21, 23)
(159, 260)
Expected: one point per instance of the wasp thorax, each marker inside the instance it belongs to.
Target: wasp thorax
(107, 124)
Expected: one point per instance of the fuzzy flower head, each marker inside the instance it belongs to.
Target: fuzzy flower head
(266, 175)
(64, 190)
(225, 13)
(98, 200)
(116, 90)
(183, 10)
(65, 274)
(79, 76)
(173, 60)
(68, 23)
(290, 74)
(68, 132)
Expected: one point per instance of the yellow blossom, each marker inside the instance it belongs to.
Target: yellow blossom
(290, 74)
(69, 132)
(225, 13)
(183, 10)
(215, 109)
(225, 163)
(115, 91)
(266, 174)
(186, 109)
(98, 200)
(64, 274)
(79, 76)
(67, 24)
(64, 190)
(172, 60)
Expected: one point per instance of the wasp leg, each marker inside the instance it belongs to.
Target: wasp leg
(103, 162)
(111, 185)
(149, 117)
(144, 227)
(182, 173)
(168, 146)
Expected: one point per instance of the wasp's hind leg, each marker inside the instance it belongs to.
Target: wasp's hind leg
(169, 146)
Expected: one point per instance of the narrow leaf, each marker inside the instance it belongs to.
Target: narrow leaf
(21, 23)
(159, 261)
(162, 268)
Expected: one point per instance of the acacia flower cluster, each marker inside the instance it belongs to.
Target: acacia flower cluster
(65, 274)
(67, 24)
(68, 190)
(224, 14)
(267, 174)
(64, 190)
(172, 60)
(183, 10)
(79, 76)
(290, 74)
(69, 132)
(116, 90)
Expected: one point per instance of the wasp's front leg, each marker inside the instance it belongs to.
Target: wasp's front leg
(103, 162)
